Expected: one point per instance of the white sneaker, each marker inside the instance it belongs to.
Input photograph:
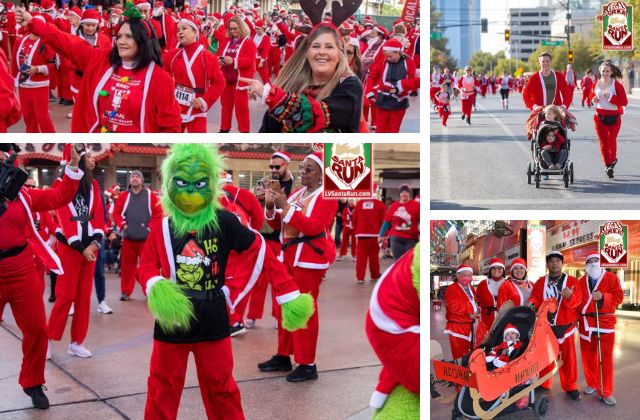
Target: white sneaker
(353, 258)
(69, 115)
(71, 310)
(339, 258)
(103, 308)
(48, 357)
(609, 400)
(78, 350)
(588, 390)
(251, 323)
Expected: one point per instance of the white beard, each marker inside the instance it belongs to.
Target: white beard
(594, 270)
(157, 11)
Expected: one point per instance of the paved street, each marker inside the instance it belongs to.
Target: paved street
(626, 379)
(113, 383)
(410, 124)
(483, 166)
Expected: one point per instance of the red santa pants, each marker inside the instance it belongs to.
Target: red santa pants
(263, 71)
(571, 89)
(608, 136)
(197, 125)
(214, 366)
(585, 98)
(74, 286)
(302, 343)
(591, 365)
(24, 295)
(367, 249)
(233, 98)
(35, 110)
(64, 81)
(273, 62)
(459, 346)
(433, 92)
(348, 235)
(467, 105)
(569, 369)
(389, 121)
(444, 114)
(368, 105)
(131, 254)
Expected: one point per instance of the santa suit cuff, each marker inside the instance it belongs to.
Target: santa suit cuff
(287, 217)
(272, 211)
(265, 93)
(287, 297)
(227, 298)
(75, 175)
(151, 282)
(378, 399)
(43, 70)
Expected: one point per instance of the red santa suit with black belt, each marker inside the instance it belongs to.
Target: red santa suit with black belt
(609, 285)
(393, 329)
(567, 314)
(368, 218)
(132, 250)
(487, 292)
(213, 296)
(235, 95)
(459, 305)
(308, 253)
(19, 282)
(10, 111)
(614, 106)
(80, 223)
(197, 75)
(275, 51)
(32, 51)
(466, 84)
(535, 93)
(263, 47)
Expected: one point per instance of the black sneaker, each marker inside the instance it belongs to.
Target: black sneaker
(575, 395)
(609, 171)
(463, 117)
(303, 373)
(276, 364)
(38, 397)
(67, 102)
(468, 120)
(614, 163)
(60, 101)
(237, 329)
(224, 131)
(124, 298)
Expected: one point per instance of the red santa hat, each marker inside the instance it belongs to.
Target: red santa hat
(90, 16)
(518, 262)
(510, 328)
(282, 13)
(117, 12)
(188, 20)
(496, 262)
(381, 30)
(259, 23)
(592, 255)
(66, 152)
(142, 4)
(316, 157)
(158, 4)
(75, 10)
(397, 21)
(217, 15)
(256, 6)
(368, 21)
(393, 45)
(200, 14)
(464, 268)
(47, 5)
(283, 155)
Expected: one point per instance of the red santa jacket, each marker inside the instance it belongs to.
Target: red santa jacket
(586, 84)
(168, 30)
(159, 110)
(45, 224)
(501, 353)
(196, 72)
(487, 302)
(509, 291)
(33, 52)
(619, 99)
(10, 112)
(393, 329)
(368, 217)
(567, 312)
(72, 230)
(534, 92)
(609, 285)
(263, 45)
(377, 80)
(315, 221)
(247, 202)
(244, 61)
(101, 42)
(459, 306)
(36, 200)
(121, 204)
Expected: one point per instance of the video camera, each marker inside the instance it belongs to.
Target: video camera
(12, 178)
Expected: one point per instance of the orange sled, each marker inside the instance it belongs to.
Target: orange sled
(487, 393)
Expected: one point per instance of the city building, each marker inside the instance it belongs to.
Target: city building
(583, 14)
(528, 27)
(460, 24)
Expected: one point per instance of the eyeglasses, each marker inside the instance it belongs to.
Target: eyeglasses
(30, 186)
(276, 167)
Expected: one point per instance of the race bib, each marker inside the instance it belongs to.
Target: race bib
(367, 205)
(184, 95)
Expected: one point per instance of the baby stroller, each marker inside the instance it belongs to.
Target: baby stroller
(538, 167)
(486, 393)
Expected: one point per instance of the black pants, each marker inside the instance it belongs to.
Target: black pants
(504, 93)
(401, 245)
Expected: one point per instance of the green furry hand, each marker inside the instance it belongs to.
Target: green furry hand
(401, 404)
(171, 308)
(297, 312)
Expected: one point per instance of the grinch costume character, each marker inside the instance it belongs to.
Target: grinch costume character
(393, 328)
(183, 269)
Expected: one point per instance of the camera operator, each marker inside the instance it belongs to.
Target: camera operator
(20, 285)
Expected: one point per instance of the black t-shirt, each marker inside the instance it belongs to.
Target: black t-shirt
(200, 264)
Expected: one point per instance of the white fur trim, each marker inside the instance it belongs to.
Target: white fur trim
(94, 21)
(498, 363)
(287, 217)
(288, 297)
(378, 399)
(391, 49)
(316, 159)
(265, 93)
(257, 269)
(279, 154)
(151, 282)
(75, 175)
(465, 269)
(464, 337)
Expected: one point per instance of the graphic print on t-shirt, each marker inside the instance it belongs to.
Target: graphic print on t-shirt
(196, 268)
(402, 213)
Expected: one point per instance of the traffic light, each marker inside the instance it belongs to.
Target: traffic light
(570, 56)
(484, 24)
(507, 35)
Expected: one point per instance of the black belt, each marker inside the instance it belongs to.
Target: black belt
(593, 314)
(307, 240)
(196, 90)
(82, 219)
(489, 308)
(11, 252)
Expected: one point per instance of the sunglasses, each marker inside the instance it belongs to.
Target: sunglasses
(276, 167)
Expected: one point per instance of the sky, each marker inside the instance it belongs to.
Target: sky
(496, 12)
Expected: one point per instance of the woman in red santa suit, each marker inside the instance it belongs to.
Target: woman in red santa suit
(237, 55)
(198, 79)
(467, 84)
(120, 90)
(79, 237)
(462, 311)
(436, 80)
(263, 47)
(488, 289)
(601, 292)
(19, 282)
(304, 221)
(517, 288)
(33, 63)
(610, 99)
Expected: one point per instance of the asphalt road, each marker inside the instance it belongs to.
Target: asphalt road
(484, 166)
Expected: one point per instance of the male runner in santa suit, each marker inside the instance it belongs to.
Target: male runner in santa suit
(564, 288)
(167, 36)
(263, 46)
(535, 91)
(487, 291)
(602, 288)
(19, 282)
(290, 35)
(199, 81)
(462, 311)
(368, 218)
(7, 28)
